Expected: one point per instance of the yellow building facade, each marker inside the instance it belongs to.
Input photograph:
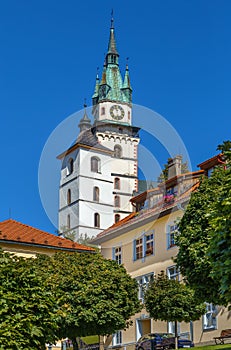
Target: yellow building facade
(144, 243)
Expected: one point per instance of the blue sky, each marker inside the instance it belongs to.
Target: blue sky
(179, 59)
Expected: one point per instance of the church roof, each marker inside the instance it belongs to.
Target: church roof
(88, 140)
(12, 231)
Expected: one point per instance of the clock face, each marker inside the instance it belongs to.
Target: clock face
(117, 112)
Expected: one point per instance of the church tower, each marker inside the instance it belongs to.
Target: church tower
(99, 171)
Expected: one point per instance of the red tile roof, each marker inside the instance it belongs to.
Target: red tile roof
(14, 231)
(211, 162)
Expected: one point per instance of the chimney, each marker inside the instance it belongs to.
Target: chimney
(174, 166)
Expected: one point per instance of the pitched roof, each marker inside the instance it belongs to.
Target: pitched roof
(87, 139)
(159, 209)
(211, 162)
(16, 232)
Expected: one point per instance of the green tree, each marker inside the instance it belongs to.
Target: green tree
(95, 295)
(28, 317)
(219, 249)
(203, 236)
(171, 301)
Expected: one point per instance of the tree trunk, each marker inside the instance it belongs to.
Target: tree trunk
(75, 344)
(101, 342)
(176, 336)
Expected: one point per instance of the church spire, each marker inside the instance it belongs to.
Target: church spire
(112, 53)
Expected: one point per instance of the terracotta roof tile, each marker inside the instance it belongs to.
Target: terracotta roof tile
(11, 230)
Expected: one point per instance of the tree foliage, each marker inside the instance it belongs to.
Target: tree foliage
(170, 300)
(204, 255)
(66, 295)
(96, 295)
(28, 316)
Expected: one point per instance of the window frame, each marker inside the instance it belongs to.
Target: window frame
(118, 151)
(170, 235)
(117, 201)
(96, 194)
(96, 220)
(144, 245)
(117, 218)
(68, 221)
(68, 196)
(95, 164)
(117, 254)
(143, 282)
(212, 313)
(117, 183)
(175, 275)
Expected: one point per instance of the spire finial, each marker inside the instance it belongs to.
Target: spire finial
(85, 103)
(112, 19)
(127, 58)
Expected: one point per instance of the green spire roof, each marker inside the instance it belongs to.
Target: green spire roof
(96, 91)
(112, 42)
(112, 87)
(127, 84)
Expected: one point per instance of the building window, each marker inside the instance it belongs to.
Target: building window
(117, 218)
(117, 255)
(117, 151)
(117, 201)
(96, 194)
(129, 115)
(144, 246)
(96, 220)
(171, 232)
(149, 244)
(95, 164)
(171, 327)
(68, 221)
(68, 196)
(117, 338)
(210, 317)
(103, 111)
(117, 183)
(143, 282)
(139, 249)
(70, 166)
(173, 273)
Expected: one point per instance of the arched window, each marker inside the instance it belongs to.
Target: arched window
(68, 196)
(117, 201)
(68, 221)
(95, 164)
(96, 220)
(70, 166)
(117, 151)
(117, 218)
(96, 194)
(129, 115)
(117, 183)
(103, 111)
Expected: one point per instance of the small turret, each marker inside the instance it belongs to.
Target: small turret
(127, 89)
(85, 122)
